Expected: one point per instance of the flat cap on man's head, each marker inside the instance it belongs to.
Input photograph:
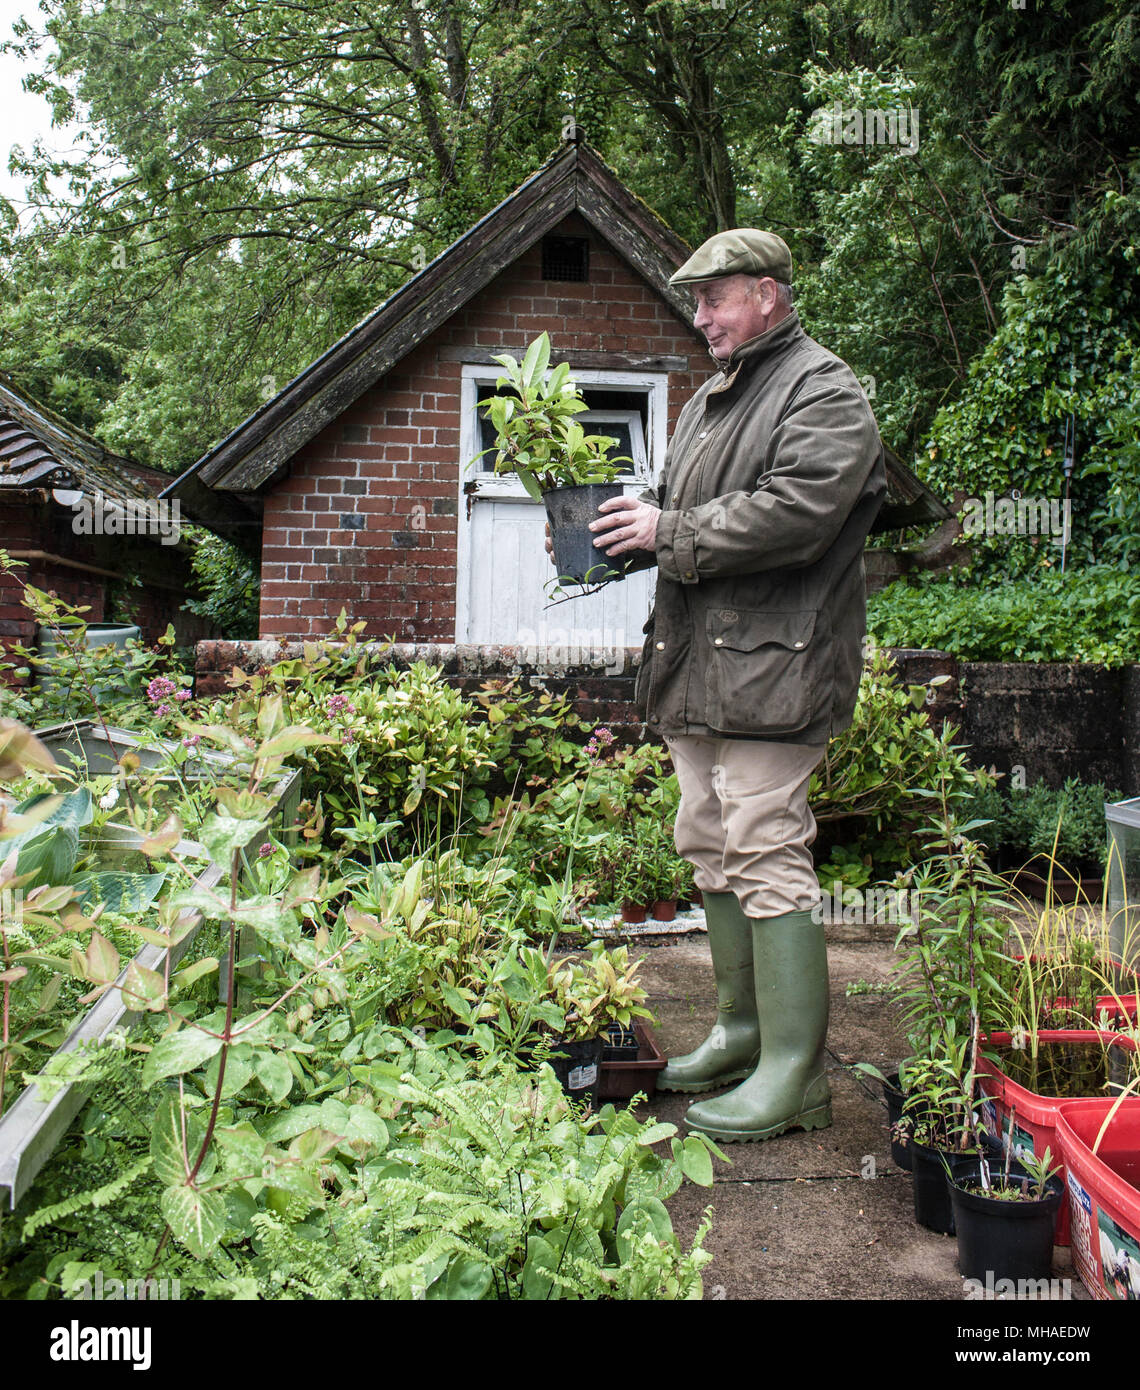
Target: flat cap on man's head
(742, 251)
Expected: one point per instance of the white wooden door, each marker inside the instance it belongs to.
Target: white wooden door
(504, 591)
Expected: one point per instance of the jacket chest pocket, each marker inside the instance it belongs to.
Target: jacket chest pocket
(764, 673)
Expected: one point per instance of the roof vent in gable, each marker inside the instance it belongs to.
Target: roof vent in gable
(565, 258)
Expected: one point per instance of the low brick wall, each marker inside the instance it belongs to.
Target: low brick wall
(1052, 720)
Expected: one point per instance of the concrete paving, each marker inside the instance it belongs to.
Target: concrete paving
(824, 1215)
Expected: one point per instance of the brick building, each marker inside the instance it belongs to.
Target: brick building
(359, 472)
(73, 513)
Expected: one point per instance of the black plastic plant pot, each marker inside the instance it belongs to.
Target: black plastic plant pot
(579, 1068)
(1002, 1238)
(932, 1207)
(570, 511)
(620, 1044)
(895, 1099)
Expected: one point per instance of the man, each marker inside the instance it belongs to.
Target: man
(771, 482)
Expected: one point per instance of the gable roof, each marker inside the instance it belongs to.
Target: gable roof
(574, 179)
(41, 450)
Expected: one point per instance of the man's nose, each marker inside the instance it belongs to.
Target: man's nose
(703, 316)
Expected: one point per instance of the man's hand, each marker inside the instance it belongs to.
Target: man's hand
(630, 524)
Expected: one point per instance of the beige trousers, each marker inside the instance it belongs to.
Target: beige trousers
(744, 822)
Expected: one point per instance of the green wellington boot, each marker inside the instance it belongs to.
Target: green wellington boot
(789, 1088)
(732, 1049)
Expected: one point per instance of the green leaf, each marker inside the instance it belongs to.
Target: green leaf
(48, 856)
(467, 1280)
(696, 1162)
(313, 1145)
(118, 892)
(365, 1125)
(536, 359)
(178, 1053)
(197, 1219)
(184, 978)
(296, 1120)
(528, 481)
(74, 809)
(541, 1262)
(290, 739)
(101, 960)
(655, 1133)
(166, 1142)
(222, 835)
(143, 989)
(645, 1217)
(272, 1070)
(243, 1149)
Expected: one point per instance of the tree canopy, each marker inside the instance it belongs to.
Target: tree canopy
(258, 176)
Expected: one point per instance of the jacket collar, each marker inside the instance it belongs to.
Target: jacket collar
(749, 354)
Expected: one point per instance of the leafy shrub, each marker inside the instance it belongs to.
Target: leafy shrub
(880, 772)
(1024, 822)
(412, 740)
(88, 682)
(433, 1178)
(532, 736)
(1068, 342)
(231, 581)
(1084, 615)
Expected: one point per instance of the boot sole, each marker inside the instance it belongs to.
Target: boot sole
(819, 1118)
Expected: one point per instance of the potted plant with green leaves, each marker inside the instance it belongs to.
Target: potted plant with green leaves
(668, 872)
(593, 991)
(624, 870)
(1005, 1215)
(557, 462)
(953, 949)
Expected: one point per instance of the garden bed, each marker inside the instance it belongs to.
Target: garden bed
(32, 1126)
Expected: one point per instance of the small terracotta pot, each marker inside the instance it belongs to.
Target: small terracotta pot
(665, 909)
(631, 912)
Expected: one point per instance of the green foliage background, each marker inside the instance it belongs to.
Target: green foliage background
(256, 179)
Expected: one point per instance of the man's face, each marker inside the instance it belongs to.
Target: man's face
(732, 309)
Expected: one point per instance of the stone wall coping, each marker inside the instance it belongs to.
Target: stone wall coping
(452, 658)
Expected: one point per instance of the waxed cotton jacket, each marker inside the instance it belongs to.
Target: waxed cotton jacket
(772, 479)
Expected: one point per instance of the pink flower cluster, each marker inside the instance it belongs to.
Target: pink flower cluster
(339, 704)
(160, 689)
(601, 738)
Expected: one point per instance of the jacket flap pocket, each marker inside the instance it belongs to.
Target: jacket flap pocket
(743, 630)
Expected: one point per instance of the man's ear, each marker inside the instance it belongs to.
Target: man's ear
(769, 294)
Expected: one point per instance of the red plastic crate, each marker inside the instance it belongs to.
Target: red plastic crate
(1103, 1195)
(1036, 1116)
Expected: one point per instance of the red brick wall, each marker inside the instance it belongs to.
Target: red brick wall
(367, 518)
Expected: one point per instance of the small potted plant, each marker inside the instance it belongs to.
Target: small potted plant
(593, 991)
(670, 872)
(560, 465)
(624, 871)
(1005, 1215)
